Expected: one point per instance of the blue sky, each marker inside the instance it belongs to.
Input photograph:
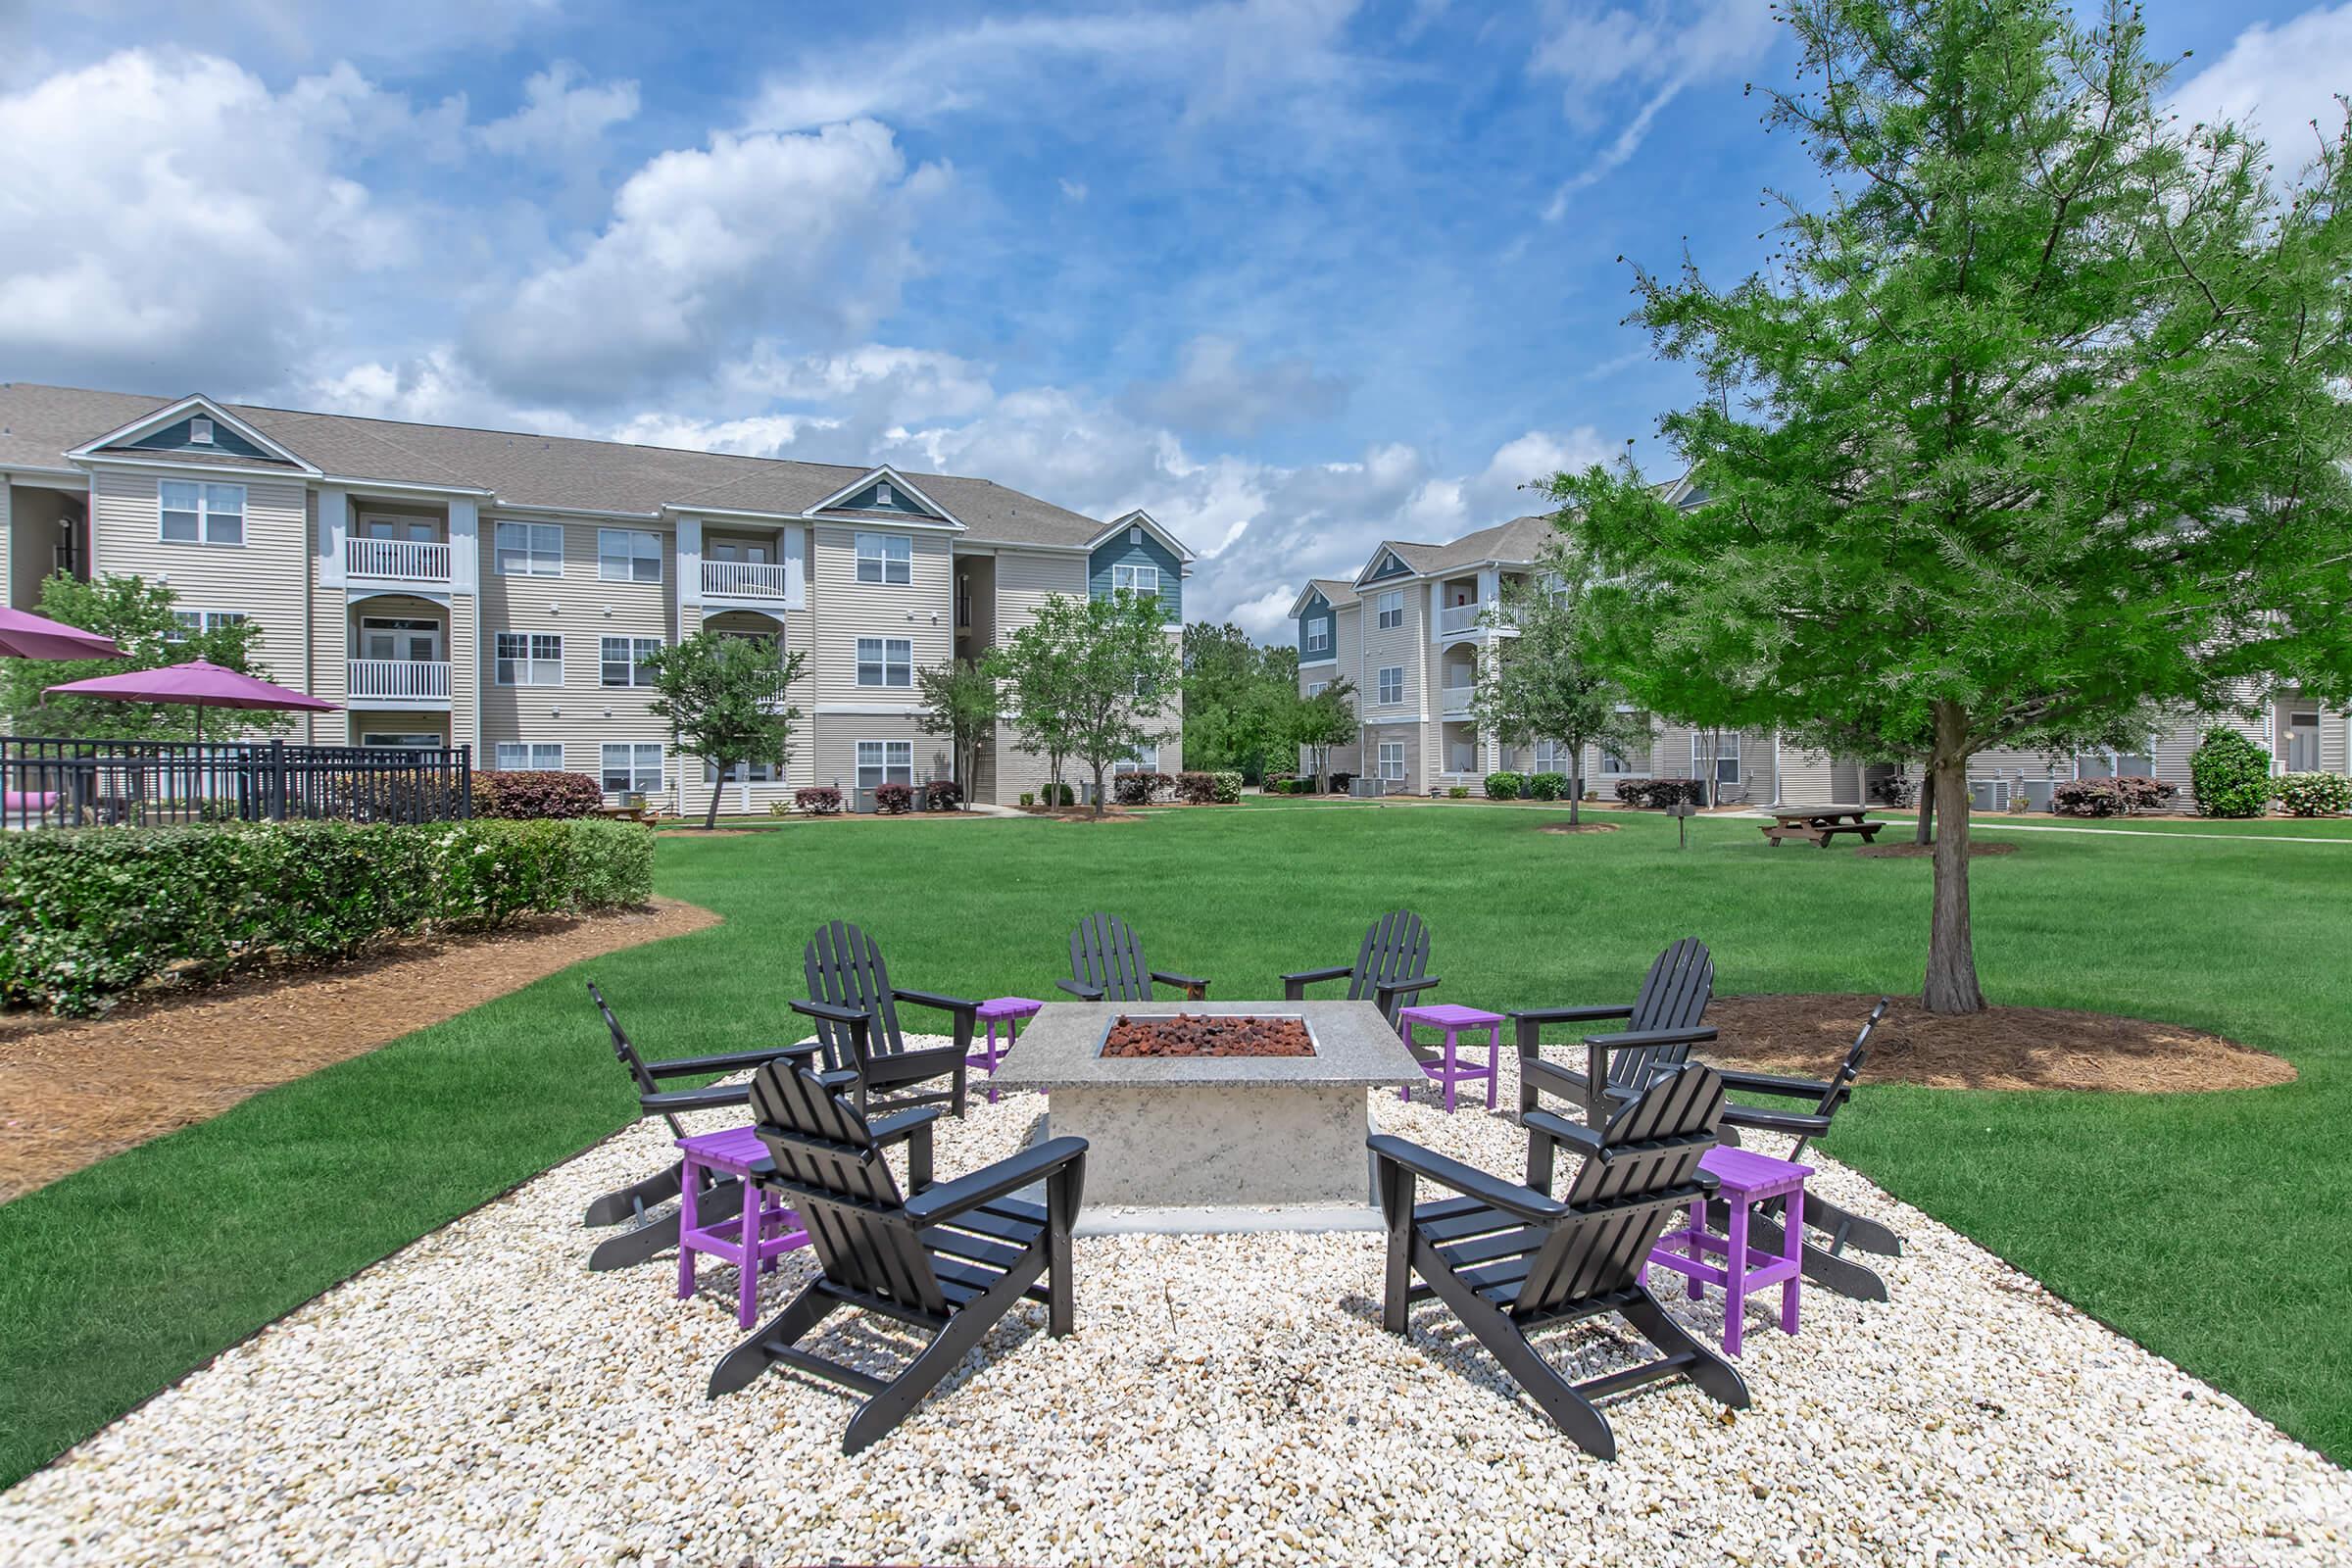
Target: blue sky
(1294, 274)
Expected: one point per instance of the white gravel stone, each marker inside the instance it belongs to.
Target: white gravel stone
(481, 1397)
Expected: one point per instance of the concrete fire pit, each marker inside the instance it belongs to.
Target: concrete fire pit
(1216, 1143)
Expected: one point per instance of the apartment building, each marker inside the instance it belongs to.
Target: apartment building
(496, 589)
(1411, 633)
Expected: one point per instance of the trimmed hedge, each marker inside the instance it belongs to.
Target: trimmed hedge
(1548, 786)
(942, 795)
(1196, 788)
(1503, 786)
(2314, 794)
(2110, 797)
(94, 911)
(536, 796)
(1139, 788)
(894, 799)
(2231, 775)
(1659, 793)
(822, 801)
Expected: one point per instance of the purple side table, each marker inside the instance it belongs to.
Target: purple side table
(1010, 1011)
(1447, 1067)
(1746, 1179)
(753, 1241)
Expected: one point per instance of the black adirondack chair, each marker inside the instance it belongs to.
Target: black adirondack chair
(1828, 1265)
(713, 1203)
(1390, 969)
(1508, 1260)
(856, 1010)
(1663, 1023)
(949, 1261)
(1106, 964)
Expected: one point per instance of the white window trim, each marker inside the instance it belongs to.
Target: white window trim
(631, 555)
(529, 658)
(1318, 635)
(894, 551)
(858, 663)
(636, 763)
(1380, 685)
(639, 676)
(1136, 574)
(857, 762)
(530, 751)
(530, 549)
(203, 512)
(1727, 751)
(1381, 760)
(1391, 603)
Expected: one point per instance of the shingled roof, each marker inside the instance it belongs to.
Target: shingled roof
(41, 424)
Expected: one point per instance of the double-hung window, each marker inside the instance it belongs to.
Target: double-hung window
(1391, 760)
(1140, 579)
(201, 513)
(528, 659)
(1388, 609)
(885, 557)
(185, 621)
(1318, 635)
(628, 555)
(1145, 761)
(885, 662)
(516, 756)
(1726, 755)
(623, 660)
(529, 550)
(631, 766)
(885, 762)
(1389, 687)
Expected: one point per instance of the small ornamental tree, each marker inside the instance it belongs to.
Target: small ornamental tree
(962, 702)
(2231, 775)
(1546, 683)
(1035, 673)
(723, 697)
(2037, 417)
(1115, 668)
(143, 619)
(1315, 724)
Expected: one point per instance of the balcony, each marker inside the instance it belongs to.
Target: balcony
(417, 682)
(1456, 699)
(399, 560)
(743, 580)
(1464, 621)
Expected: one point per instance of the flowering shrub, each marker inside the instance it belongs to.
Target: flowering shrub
(2231, 775)
(1895, 790)
(1342, 782)
(1546, 786)
(1660, 793)
(894, 799)
(942, 795)
(1196, 788)
(1225, 787)
(1136, 789)
(2315, 794)
(2110, 797)
(822, 801)
(536, 795)
(1503, 786)
(87, 913)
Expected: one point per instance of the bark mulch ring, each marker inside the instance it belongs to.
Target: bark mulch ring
(1579, 827)
(1079, 814)
(73, 1091)
(1922, 851)
(2000, 1047)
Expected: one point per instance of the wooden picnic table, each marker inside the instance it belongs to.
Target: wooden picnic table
(1819, 824)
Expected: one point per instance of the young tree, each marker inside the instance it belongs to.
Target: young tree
(725, 699)
(1035, 672)
(2037, 419)
(139, 615)
(1545, 683)
(1115, 669)
(1315, 724)
(961, 700)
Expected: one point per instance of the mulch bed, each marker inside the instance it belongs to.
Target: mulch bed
(1580, 827)
(1201, 1034)
(1078, 814)
(2000, 1047)
(1923, 852)
(73, 1091)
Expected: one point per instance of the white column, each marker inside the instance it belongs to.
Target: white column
(334, 526)
(1437, 601)
(796, 571)
(8, 542)
(1490, 584)
(465, 545)
(690, 567)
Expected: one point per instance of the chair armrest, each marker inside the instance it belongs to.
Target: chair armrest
(1467, 1180)
(913, 1129)
(1081, 990)
(839, 1079)
(715, 1096)
(1307, 977)
(1005, 1176)
(1559, 1130)
(1567, 1080)
(1406, 988)
(726, 1061)
(1190, 982)
(934, 998)
(1764, 1083)
(1795, 1123)
(1542, 1016)
(1633, 1039)
(831, 1012)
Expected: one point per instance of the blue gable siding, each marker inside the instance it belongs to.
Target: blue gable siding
(174, 438)
(869, 500)
(1390, 566)
(1119, 552)
(1318, 609)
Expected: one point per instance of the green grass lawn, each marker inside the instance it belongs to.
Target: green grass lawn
(2209, 1227)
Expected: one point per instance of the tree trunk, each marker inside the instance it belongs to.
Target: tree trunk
(1098, 791)
(710, 818)
(1576, 789)
(1951, 986)
(1925, 832)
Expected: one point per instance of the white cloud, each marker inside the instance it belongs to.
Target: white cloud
(1073, 190)
(708, 252)
(171, 222)
(2278, 80)
(1214, 391)
(1655, 52)
(562, 118)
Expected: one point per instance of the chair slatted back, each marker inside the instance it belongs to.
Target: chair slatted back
(1623, 1197)
(841, 1186)
(1674, 994)
(1395, 948)
(630, 1058)
(845, 969)
(1104, 953)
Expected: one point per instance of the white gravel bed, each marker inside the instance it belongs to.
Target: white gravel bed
(481, 1397)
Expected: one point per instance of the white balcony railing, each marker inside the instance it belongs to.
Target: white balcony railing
(743, 580)
(399, 679)
(410, 560)
(1457, 699)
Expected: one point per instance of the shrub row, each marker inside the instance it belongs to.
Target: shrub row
(92, 913)
(822, 801)
(894, 799)
(1660, 793)
(542, 794)
(2110, 797)
(942, 795)
(2314, 794)
(1140, 788)
(1503, 786)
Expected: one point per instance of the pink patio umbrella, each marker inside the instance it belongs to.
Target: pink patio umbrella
(198, 683)
(25, 635)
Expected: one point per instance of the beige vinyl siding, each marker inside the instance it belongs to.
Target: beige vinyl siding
(1025, 580)
(266, 577)
(582, 714)
(836, 754)
(1814, 778)
(1415, 782)
(1405, 646)
(846, 609)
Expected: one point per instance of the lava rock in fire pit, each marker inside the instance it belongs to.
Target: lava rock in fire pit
(1188, 1034)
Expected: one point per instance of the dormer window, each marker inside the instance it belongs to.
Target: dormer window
(200, 433)
(882, 496)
